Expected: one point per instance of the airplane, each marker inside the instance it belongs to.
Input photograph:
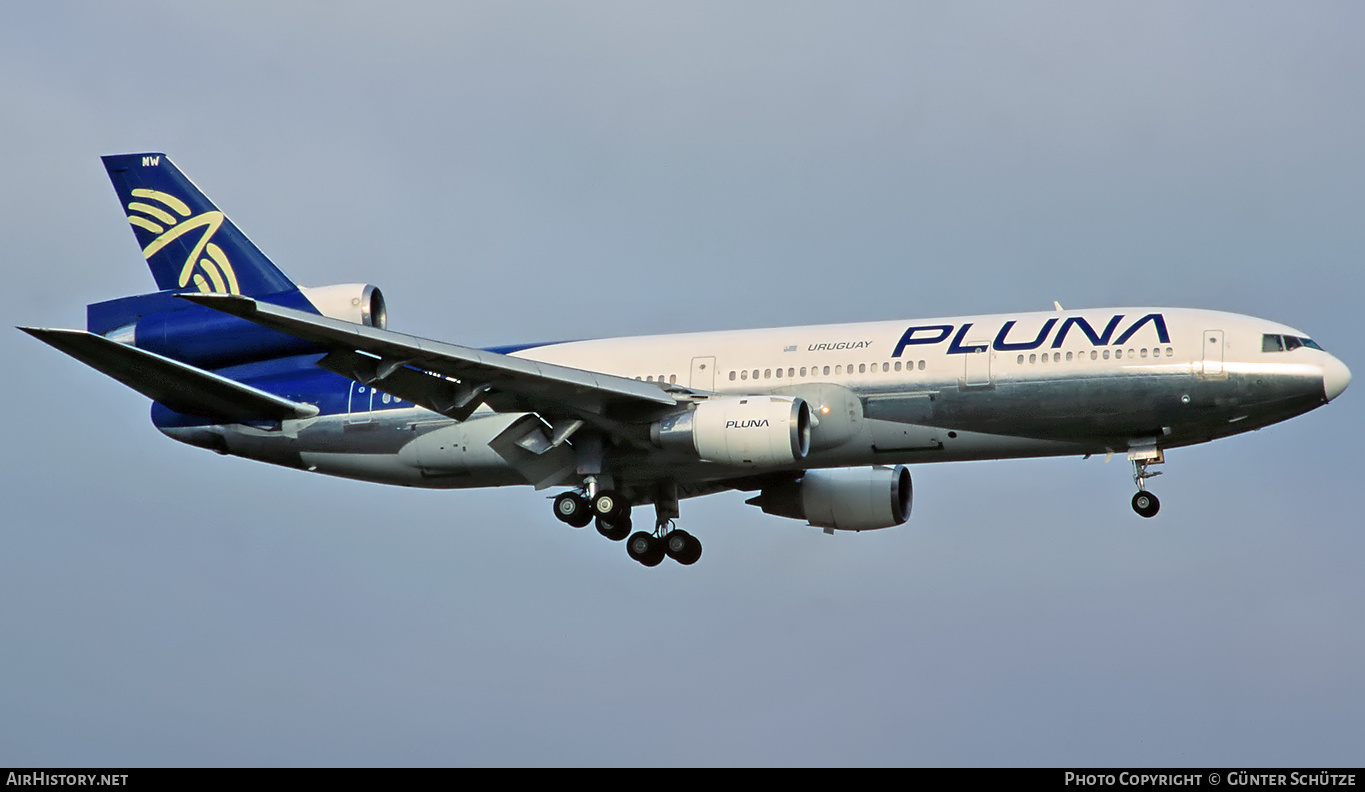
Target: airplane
(821, 423)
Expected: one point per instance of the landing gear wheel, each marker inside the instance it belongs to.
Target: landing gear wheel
(608, 505)
(1146, 504)
(682, 547)
(643, 547)
(572, 508)
(615, 530)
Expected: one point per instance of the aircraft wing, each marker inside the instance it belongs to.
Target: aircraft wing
(179, 386)
(451, 379)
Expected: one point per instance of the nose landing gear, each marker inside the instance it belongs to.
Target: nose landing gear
(1145, 503)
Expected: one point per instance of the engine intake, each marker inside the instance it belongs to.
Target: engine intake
(844, 499)
(756, 431)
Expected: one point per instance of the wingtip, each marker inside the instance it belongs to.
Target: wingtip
(40, 332)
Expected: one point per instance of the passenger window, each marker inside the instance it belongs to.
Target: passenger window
(1118, 354)
(826, 369)
(779, 373)
(838, 369)
(1094, 354)
(732, 376)
(803, 371)
(755, 373)
(1021, 359)
(1142, 352)
(921, 365)
(862, 368)
(672, 379)
(767, 373)
(1106, 354)
(744, 374)
(1033, 358)
(1068, 357)
(791, 372)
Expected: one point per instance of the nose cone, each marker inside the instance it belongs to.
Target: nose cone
(1335, 378)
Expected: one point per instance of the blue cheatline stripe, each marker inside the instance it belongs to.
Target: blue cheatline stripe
(510, 348)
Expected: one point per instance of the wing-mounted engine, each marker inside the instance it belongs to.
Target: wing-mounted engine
(844, 499)
(757, 431)
(360, 303)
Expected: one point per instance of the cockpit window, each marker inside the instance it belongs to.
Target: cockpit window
(1283, 343)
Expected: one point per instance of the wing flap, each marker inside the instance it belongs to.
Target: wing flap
(177, 385)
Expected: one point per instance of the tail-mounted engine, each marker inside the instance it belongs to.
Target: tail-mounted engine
(360, 303)
(757, 431)
(844, 499)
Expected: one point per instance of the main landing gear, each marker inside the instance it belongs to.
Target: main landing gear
(1145, 503)
(612, 514)
(650, 549)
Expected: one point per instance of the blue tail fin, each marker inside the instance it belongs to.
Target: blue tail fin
(189, 244)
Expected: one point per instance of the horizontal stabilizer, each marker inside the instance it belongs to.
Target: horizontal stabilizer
(179, 386)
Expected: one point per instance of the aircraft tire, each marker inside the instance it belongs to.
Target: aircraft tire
(682, 547)
(608, 504)
(615, 530)
(1146, 504)
(572, 508)
(643, 547)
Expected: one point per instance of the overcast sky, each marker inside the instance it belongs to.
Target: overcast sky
(512, 172)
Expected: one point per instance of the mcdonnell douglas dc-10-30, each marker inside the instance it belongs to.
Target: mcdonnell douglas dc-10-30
(819, 422)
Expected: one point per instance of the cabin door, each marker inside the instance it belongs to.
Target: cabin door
(703, 373)
(977, 372)
(358, 406)
(1213, 354)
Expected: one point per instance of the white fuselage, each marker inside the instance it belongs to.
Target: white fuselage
(956, 388)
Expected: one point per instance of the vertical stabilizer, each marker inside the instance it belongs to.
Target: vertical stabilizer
(188, 243)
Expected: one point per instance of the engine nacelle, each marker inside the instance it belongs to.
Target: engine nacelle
(843, 499)
(757, 431)
(360, 303)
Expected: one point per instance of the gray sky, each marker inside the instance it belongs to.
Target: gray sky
(513, 172)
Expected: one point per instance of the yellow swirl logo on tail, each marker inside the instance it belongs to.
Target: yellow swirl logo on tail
(168, 217)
